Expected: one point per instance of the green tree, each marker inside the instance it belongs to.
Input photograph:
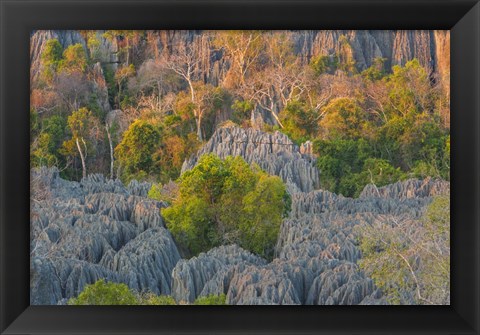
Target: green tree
(346, 59)
(410, 89)
(74, 59)
(376, 71)
(81, 123)
(151, 299)
(47, 137)
(344, 118)
(264, 208)
(410, 259)
(105, 293)
(324, 64)
(300, 123)
(41, 151)
(50, 58)
(375, 171)
(135, 151)
(338, 159)
(211, 300)
(121, 76)
(224, 202)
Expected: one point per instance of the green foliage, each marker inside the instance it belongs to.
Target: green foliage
(299, 122)
(264, 208)
(412, 140)
(155, 192)
(93, 105)
(74, 59)
(50, 58)
(79, 124)
(105, 293)
(167, 193)
(211, 300)
(121, 76)
(151, 299)
(42, 151)
(394, 117)
(344, 118)
(376, 71)
(109, 293)
(135, 151)
(409, 89)
(375, 171)
(93, 44)
(241, 110)
(109, 74)
(410, 261)
(346, 60)
(227, 201)
(47, 136)
(338, 160)
(324, 64)
(34, 124)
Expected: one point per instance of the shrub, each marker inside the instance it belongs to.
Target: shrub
(156, 300)
(105, 293)
(410, 260)
(225, 202)
(211, 300)
(135, 152)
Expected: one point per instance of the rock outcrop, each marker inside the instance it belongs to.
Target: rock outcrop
(107, 51)
(317, 249)
(430, 47)
(97, 228)
(275, 153)
(191, 277)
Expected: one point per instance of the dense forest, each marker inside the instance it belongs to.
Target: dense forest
(140, 116)
(367, 108)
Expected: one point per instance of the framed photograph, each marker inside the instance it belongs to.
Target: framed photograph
(240, 167)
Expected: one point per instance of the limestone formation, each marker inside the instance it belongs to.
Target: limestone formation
(316, 254)
(97, 228)
(190, 276)
(275, 153)
(397, 46)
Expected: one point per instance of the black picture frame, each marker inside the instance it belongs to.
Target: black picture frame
(19, 17)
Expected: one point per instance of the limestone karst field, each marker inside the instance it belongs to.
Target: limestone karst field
(240, 167)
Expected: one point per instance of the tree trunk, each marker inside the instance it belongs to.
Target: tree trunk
(111, 150)
(192, 91)
(277, 119)
(82, 157)
(199, 127)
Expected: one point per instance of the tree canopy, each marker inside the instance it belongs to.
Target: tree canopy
(410, 264)
(400, 112)
(110, 293)
(225, 202)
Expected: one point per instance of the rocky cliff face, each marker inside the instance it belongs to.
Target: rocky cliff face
(98, 228)
(317, 249)
(82, 232)
(430, 47)
(107, 50)
(316, 257)
(275, 153)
